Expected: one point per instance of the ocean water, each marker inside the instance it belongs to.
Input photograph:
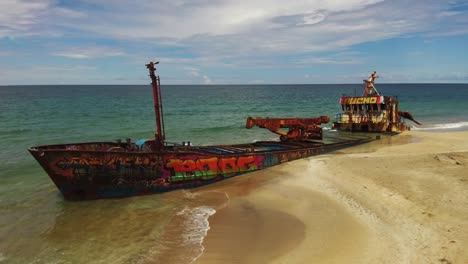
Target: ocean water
(38, 226)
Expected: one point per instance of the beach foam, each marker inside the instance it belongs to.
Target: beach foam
(446, 126)
(183, 236)
(182, 239)
(196, 227)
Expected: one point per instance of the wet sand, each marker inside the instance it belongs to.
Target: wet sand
(398, 200)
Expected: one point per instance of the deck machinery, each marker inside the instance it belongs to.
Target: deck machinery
(298, 128)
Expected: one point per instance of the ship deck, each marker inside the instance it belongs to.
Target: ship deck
(235, 149)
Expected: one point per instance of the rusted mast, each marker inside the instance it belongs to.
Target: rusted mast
(159, 136)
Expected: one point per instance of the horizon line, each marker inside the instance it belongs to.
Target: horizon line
(240, 84)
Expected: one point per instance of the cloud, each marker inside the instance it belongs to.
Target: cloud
(229, 34)
(451, 77)
(257, 81)
(185, 19)
(19, 15)
(206, 80)
(462, 30)
(89, 52)
(75, 68)
(193, 72)
(244, 27)
(313, 18)
(401, 77)
(47, 74)
(330, 61)
(6, 53)
(32, 17)
(392, 77)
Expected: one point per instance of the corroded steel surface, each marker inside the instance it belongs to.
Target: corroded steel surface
(298, 128)
(97, 170)
(158, 108)
(371, 112)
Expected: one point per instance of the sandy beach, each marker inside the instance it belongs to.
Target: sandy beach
(402, 199)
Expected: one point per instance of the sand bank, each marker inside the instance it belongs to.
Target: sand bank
(398, 200)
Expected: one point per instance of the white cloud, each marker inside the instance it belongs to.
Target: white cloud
(184, 19)
(241, 27)
(330, 61)
(231, 34)
(461, 30)
(68, 13)
(32, 17)
(310, 19)
(89, 52)
(206, 80)
(392, 77)
(46, 74)
(193, 72)
(258, 81)
(62, 69)
(451, 77)
(17, 15)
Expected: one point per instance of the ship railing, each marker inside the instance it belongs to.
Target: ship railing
(360, 117)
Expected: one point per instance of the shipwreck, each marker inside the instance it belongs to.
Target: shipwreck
(119, 169)
(371, 112)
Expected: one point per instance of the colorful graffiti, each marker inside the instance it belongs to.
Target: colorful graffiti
(207, 168)
(85, 160)
(99, 174)
(135, 167)
(141, 167)
(288, 156)
(362, 100)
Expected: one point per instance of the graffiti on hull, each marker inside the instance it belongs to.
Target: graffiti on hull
(208, 168)
(110, 168)
(136, 168)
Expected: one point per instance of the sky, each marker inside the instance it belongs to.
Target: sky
(233, 41)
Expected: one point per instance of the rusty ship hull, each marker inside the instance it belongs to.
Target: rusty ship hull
(115, 169)
(107, 170)
(375, 114)
(371, 112)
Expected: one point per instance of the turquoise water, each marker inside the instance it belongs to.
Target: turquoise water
(38, 226)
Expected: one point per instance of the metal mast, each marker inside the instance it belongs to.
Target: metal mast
(155, 81)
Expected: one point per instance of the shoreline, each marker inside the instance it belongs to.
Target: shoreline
(389, 201)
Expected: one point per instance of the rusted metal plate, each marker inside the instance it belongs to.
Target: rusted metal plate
(298, 128)
(96, 170)
(371, 112)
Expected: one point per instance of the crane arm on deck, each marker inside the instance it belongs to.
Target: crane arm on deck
(298, 128)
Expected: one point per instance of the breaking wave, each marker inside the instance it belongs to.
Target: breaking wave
(196, 228)
(448, 126)
(182, 238)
